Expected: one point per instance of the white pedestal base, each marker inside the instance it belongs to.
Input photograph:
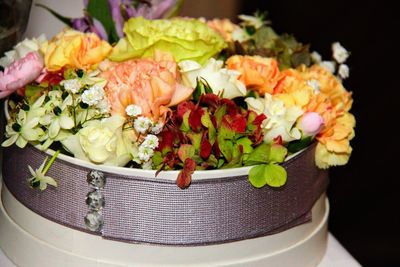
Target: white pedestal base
(30, 240)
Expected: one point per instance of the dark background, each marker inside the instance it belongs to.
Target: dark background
(364, 195)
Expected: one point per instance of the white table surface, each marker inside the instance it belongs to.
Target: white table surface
(336, 256)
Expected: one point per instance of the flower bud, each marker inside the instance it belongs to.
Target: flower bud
(311, 124)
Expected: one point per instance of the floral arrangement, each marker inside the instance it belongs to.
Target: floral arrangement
(176, 94)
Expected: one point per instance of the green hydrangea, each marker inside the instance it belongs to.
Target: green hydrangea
(185, 39)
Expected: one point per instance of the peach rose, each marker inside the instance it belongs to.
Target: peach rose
(334, 143)
(152, 84)
(224, 27)
(74, 49)
(258, 73)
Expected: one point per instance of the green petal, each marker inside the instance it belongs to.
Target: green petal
(21, 142)
(66, 122)
(10, 140)
(54, 128)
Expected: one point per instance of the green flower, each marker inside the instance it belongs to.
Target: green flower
(183, 38)
(39, 178)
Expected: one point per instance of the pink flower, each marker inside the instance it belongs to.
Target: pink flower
(20, 73)
(311, 123)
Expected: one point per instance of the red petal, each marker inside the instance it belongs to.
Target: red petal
(217, 151)
(166, 141)
(238, 123)
(183, 108)
(231, 107)
(205, 148)
(259, 119)
(195, 119)
(53, 78)
(210, 100)
(278, 140)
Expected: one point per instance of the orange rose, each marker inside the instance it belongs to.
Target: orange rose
(292, 89)
(152, 84)
(258, 73)
(74, 49)
(330, 86)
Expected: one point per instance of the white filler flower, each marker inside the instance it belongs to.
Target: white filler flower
(72, 85)
(344, 71)
(340, 54)
(133, 110)
(150, 141)
(93, 95)
(142, 124)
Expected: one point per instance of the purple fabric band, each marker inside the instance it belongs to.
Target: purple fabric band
(142, 210)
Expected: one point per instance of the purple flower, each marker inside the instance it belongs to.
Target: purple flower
(122, 10)
(115, 6)
(154, 9)
(81, 24)
(98, 29)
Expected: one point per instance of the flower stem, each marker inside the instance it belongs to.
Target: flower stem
(48, 165)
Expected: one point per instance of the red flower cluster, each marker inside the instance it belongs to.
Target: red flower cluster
(212, 133)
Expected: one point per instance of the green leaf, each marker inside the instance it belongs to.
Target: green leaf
(226, 147)
(186, 151)
(246, 144)
(267, 174)
(157, 159)
(199, 90)
(277, 153)
(225, 132)
(219, 114)
(256, 176)
(195, 139)
(33, 92)
(206, 121)
(265, 37)
(212, 161)
(300, 58)
(66, 20)
(298, 145)
(259, 155)
(185, 127)
(275, 175)
(220, 163)
(100, 10)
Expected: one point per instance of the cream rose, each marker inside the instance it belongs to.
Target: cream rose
(221, 80)
(102, 142)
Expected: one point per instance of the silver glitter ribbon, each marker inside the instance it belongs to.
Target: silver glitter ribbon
(156, 211)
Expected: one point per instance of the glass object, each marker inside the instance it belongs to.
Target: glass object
(94, 221)
(14, 15)
(96, 179)
(95, 200)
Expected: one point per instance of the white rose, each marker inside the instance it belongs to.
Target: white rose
(280, 120)
(220, 79)
(102, 142)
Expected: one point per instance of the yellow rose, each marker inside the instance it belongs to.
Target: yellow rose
(74, 49)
